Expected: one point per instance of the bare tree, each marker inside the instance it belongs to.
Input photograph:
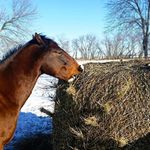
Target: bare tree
(119, 46)
(133, 45)
(132, 16)
(113, 46)
(87, 45)
(15, 23)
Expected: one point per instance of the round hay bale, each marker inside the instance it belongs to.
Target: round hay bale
(106, 107)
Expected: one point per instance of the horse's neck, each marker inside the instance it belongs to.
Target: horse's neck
(18, 76)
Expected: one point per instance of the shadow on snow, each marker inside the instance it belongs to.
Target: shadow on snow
(30, 125)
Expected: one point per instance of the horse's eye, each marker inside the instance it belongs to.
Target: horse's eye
(65, 63)
(59, 53)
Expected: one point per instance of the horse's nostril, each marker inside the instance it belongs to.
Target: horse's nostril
(80, 68)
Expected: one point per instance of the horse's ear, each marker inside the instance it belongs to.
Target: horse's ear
(38, 38)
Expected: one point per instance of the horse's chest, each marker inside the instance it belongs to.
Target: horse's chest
(7, 125)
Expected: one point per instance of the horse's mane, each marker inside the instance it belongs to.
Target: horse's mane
(19, 47)
(11, 52)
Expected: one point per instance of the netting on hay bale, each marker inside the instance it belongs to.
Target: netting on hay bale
(106, 107)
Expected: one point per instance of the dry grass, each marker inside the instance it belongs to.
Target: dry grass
(106, 107)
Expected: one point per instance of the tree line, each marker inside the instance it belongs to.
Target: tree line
(126, 35)
(128, 21)
(131, 17)
(114, 46)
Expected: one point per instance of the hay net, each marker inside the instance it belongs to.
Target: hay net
(107, 102)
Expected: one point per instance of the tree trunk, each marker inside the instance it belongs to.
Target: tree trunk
(145, 46)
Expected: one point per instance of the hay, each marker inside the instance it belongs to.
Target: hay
(106, 107)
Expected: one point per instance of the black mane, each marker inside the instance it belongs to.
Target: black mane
(12, 51)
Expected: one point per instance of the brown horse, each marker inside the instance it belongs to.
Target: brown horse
(19, 72)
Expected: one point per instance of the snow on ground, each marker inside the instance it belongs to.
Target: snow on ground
(42, 96)
(31, 120)
(100, 61)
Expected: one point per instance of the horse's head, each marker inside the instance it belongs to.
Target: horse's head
(56, 61)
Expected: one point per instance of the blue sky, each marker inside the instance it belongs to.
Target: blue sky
(70, 18)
